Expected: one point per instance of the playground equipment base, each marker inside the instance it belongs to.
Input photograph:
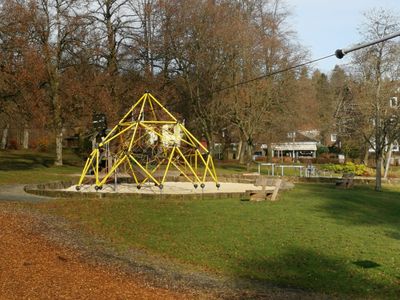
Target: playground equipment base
(169, 188)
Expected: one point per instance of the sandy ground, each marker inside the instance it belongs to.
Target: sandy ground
(177, 188)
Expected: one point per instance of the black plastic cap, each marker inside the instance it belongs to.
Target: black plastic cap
(339, 53)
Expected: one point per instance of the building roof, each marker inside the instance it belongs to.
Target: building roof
(296, 146)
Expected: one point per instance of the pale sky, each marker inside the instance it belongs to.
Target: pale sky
(326, 25)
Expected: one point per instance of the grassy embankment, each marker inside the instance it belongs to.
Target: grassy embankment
(36, 167)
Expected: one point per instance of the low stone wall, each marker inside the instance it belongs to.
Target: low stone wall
(56, 190)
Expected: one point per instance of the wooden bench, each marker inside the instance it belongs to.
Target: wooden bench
(346, 182)
(266, 191)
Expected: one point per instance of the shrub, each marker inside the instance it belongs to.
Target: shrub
(348, 167)
(322, 149)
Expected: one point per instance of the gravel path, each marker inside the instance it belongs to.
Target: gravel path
(15, 192)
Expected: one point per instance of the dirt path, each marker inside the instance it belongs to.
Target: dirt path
(32, 267)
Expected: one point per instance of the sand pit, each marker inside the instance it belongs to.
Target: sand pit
(170, 188)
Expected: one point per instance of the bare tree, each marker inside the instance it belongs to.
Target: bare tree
(57, 25)
(21, 72)
(378, 68)
(201, 36)
(110, 27)
(265, 46)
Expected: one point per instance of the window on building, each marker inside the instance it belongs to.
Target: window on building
(396, 146)
(291, 135)
(333, 137)
(393, 102)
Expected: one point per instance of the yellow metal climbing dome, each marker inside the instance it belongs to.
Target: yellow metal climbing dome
(147, 144)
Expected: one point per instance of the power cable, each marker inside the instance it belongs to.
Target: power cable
(271, 74)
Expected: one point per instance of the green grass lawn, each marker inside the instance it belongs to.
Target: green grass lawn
(36, 167)
(317, 238)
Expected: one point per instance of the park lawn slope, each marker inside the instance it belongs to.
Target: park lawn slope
(316, 238)
(23, 166)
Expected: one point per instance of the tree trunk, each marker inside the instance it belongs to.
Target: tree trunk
(378, 183)
(58, 123)
(5, 137)
(249, 156)
(59, 153)
(94, 142)
(25, 142)
(366, 156)
(269, 152)
(239, 150)
(210, 143)
(388, 158)
(242, 153)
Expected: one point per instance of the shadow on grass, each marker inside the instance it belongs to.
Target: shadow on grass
(361, 206)
(309, 271)
(393, 234)
(28, 160)
(231, 168)
(10, 161)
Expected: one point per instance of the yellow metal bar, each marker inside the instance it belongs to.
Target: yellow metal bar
(115, 166)
(126, 123)
(193, 143)
(144, 170)
(213, 167)
(183, 173)
(195, 161)
(142, 109)
(152, 171)
(97, 166)
(158, 122)
(86, 167)
(132, 108)
(162, 107)
(206, 167)
(150, 129)
(115, 136)
(111, 132)
(137, 124)
(133, 137)
(121, 122)
(188, 143)
(187, 163)
(169, 163)
(138, 139)
(192, 137)
(152, 109)
(133, 172)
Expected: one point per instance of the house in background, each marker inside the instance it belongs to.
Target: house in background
(394, 106)
(296, 145)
